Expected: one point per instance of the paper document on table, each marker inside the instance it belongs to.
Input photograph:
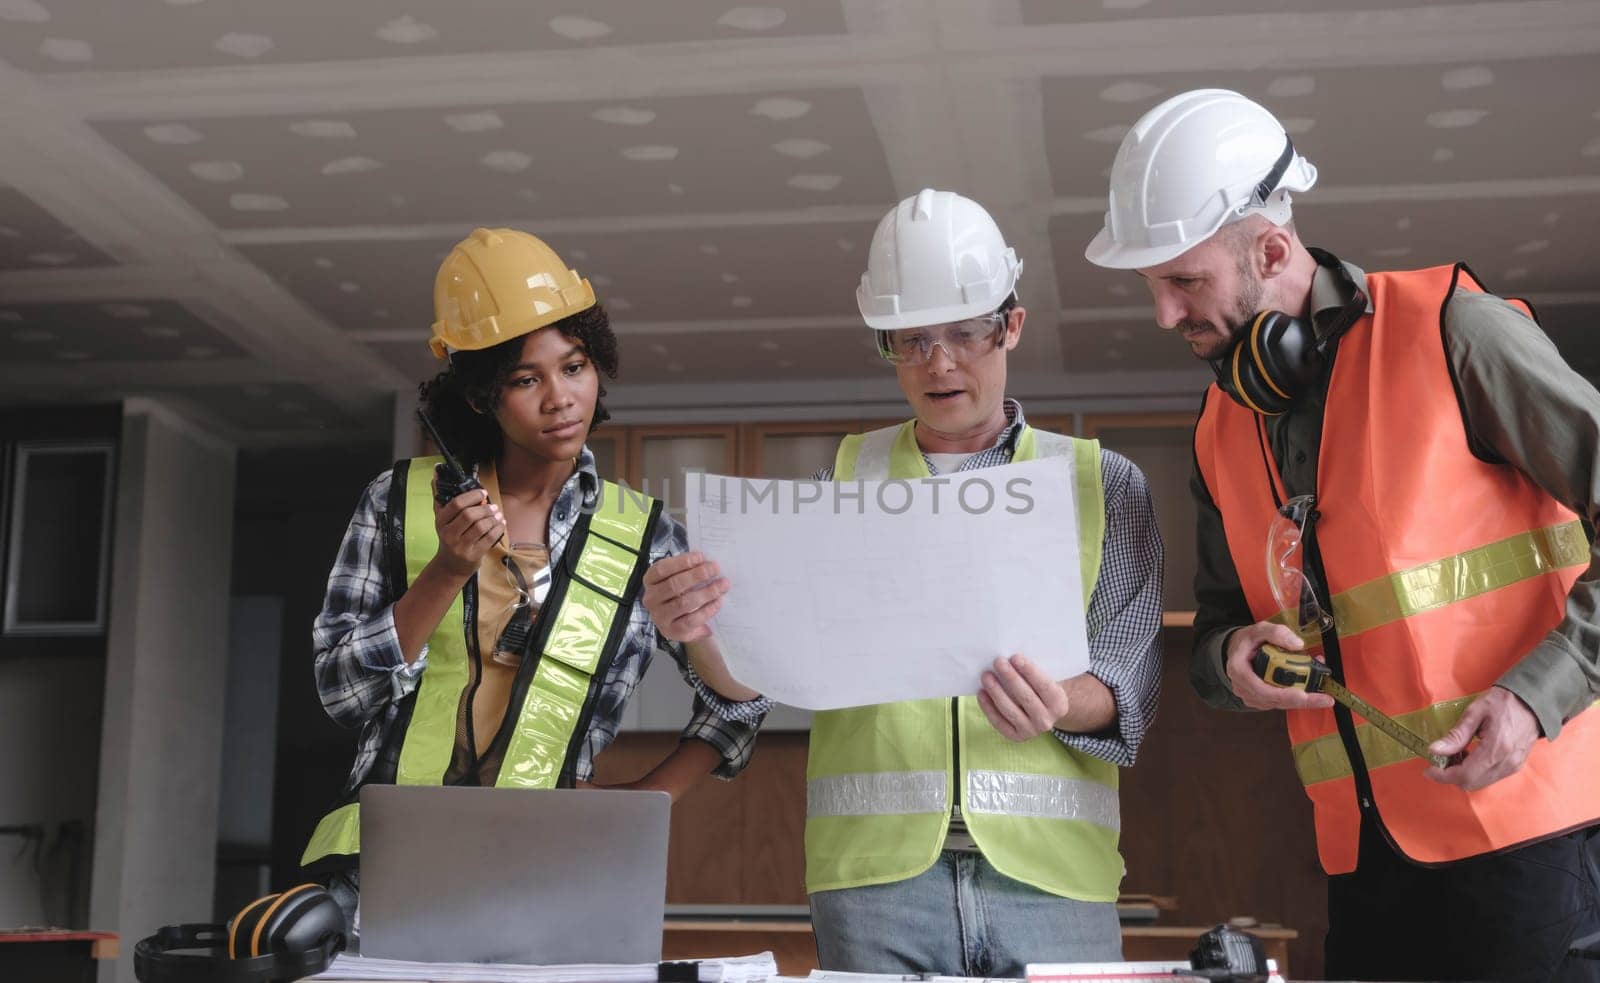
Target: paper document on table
(857, 592)
(736, 969)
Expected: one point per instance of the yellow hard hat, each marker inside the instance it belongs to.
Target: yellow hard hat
(498, 284)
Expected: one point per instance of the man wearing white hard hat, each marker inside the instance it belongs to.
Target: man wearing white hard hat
(1393, 473)
(971, 836)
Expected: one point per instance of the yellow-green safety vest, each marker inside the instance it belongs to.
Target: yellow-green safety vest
(574, 638)
(881, 780)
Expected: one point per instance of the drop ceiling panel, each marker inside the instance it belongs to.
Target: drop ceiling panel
(1515, 245)
(133, 331)
(1379, 125)
(77, 35)
(685, 154)
(804, 270)
(1056, 12)
(32, 239)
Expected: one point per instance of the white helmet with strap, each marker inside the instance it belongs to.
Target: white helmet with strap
(1191, 165)
(937, 257)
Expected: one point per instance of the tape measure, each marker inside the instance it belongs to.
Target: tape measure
(1290, 670)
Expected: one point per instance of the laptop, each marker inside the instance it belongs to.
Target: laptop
(513, 875)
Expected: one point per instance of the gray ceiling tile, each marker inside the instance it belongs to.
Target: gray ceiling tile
(110, 331)
(494, 164)
(77, 35)
(1376, 125)
(32, 239)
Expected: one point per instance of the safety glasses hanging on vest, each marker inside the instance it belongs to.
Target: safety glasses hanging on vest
(1279, 356)
(1286, 574)
(963, 341)
(527, 571)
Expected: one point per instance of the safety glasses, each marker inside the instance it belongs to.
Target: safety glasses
(962, 341)
(1286, 573)
(527, 571)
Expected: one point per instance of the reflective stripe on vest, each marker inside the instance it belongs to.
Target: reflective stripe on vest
(591, 598)
(1443, 571)
(879, 778)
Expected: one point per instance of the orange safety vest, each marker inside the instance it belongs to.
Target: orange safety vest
(1443, 571)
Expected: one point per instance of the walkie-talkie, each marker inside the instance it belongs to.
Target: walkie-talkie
(452, 478)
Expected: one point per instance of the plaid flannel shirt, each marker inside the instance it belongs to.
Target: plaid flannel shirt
(1124, 616)
(361, 674)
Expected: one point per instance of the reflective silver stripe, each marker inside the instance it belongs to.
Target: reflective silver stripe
(1049, 444)
(1012, 793)
(872, 462)
(884, 794)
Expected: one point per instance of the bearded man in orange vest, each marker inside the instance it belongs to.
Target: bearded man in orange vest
(1393, 472)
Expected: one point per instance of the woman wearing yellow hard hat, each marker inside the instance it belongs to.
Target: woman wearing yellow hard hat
(489, 631)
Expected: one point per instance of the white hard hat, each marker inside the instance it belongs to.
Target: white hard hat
(936, 257)
(1190, 166)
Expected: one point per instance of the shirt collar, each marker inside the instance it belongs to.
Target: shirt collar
(1328, 295)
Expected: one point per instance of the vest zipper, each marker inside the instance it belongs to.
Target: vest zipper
(955, 760)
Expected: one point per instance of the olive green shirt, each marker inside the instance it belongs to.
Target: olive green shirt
(1522, 404)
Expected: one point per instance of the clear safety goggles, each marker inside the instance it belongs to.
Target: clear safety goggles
(1286, 573)
(962, 341)
(527, 571)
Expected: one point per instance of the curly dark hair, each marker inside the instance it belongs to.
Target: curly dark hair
(462, 399)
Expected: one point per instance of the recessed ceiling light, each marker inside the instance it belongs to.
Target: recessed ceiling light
(753, 18)
(218, 171)
(244, 45)
(323, 262)
(1129, 91)
(674, 366)
(73, 355)
(1291, 86)
(323, 129)
(650, 152)
(349, 287)
(1403, 223)
(1515, 273)
(1443, 154)
(780, 108)
(173, 134)
(52, 258)
(1108, 134)
(1531, 246)
(624, 116)
(27, 335)
(1455, 119)
(1471, 77)
(770, 346)
(740, 301)
(579, 28)
(730, 278)
(199, 351)
(68, 51)
(160, 331)
(350, 165)
(257, 203)
(620, 304)
(479, 122)
(506, 161)
(801, 148)
(407, 30)
(815, 182)
(23, 12)
(125, 311)
(785, 363)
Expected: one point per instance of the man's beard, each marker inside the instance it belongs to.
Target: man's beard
(1244, 311)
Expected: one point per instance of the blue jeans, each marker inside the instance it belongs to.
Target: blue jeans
(961, 917)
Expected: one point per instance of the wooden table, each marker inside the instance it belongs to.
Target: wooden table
(795, 949)
(55, 954)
